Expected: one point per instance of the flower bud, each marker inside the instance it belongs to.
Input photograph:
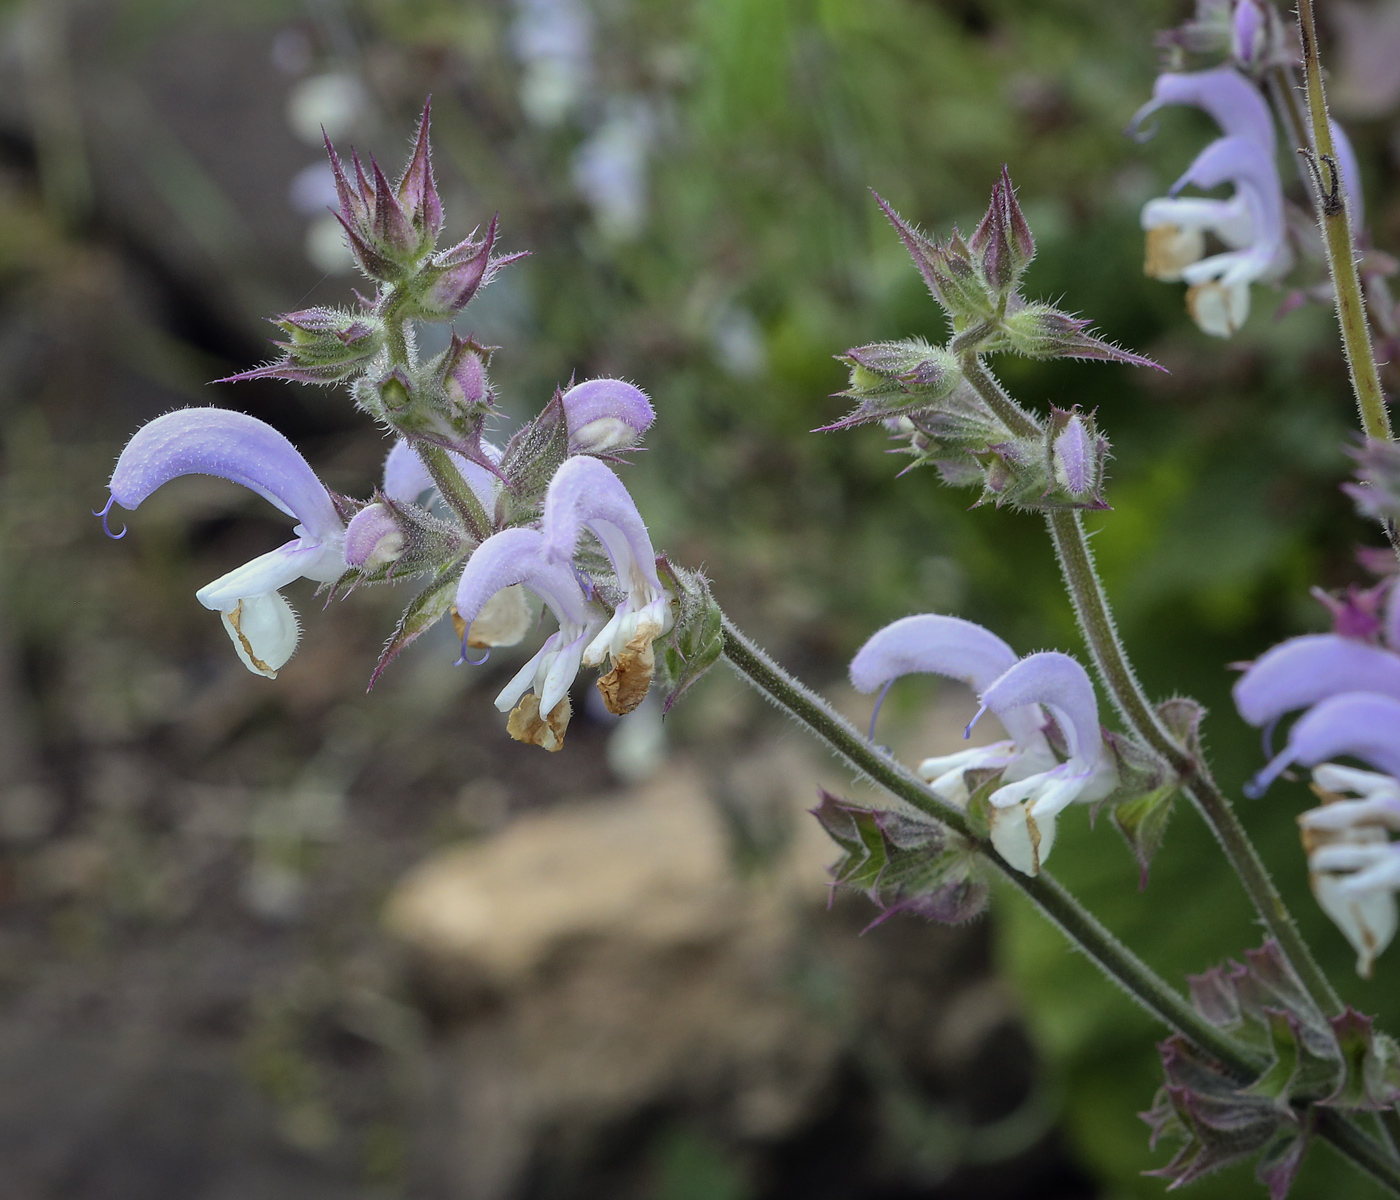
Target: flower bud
(1249, 34)
(1078, 453)
(373, 538)
(1041, 331)
(461, 373)
(325, 345)
(604, 415)
(389, 229)
(449, 280)
(895, 379)
(1002, 244)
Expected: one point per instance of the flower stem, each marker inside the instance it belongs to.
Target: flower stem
(1059, 906)
(1337, 236)
(455, 490)
(985, 384)
(1096, 622)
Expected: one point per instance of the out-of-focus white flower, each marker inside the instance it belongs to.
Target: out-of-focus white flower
(553, 41)
(610, 169)
(333, 102)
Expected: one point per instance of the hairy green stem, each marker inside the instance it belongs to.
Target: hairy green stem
(1101, 635)
(1080, 926)
(1363, 1150)
(1011, 414)
(455, 490)
(1337, 236)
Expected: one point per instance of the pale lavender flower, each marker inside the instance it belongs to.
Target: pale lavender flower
(518, 556)
(1034, 785)
(604, 415)
(1365, 725)
(240, 448)
(1250, 222)
(1305, 670)
(1024, 809)
(1223, 93)
(585, 495)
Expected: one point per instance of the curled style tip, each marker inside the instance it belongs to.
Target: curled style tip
(473, 662)
(104, 512)
(875, 716)
(1140, 129)
(967, 733)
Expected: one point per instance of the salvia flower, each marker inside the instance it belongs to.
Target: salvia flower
(1034, 784)
(537, 698)
(1360, 655)
(1353, 865)
(585, 495)
(240, 448)
(1250, 222)
(1349, 683)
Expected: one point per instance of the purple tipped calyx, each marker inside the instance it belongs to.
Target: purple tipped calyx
(388, 228)
(1002, 243)
(448, 281)
(322, 345)
(947, 268)
(1043, 331)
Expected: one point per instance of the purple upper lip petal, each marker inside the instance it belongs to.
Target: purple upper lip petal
(1304, 670)
(233, 446)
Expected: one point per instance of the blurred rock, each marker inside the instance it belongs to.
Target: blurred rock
(627, 965)
(666, 954)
